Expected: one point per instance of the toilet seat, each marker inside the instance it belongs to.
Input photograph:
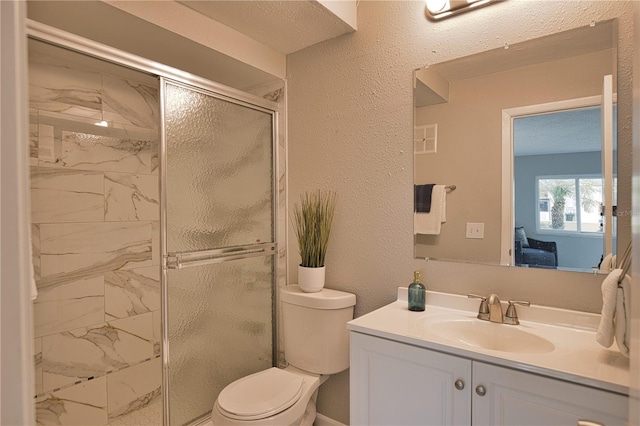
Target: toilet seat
(260, 395)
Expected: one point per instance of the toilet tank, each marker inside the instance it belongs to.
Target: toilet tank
(315, 329)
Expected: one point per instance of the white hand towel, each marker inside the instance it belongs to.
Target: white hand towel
(623, 316)
(430, 223)
(606, 329)
(606, 266)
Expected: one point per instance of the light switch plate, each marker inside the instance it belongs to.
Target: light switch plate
(475, 230)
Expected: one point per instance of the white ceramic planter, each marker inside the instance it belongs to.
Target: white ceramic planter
(310, 280)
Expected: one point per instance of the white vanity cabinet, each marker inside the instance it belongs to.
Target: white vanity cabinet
(512, 397)
(395, 383)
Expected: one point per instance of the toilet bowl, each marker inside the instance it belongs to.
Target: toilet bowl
(269, 397)
(316, 344)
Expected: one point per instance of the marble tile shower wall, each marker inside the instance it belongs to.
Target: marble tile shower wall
(95, 233)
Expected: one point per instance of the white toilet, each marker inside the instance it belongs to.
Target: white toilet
(316, 344)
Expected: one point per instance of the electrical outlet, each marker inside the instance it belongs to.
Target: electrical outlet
(475, 230)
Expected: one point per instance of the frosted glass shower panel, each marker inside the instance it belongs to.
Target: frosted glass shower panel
(220, 167)
(220, 329)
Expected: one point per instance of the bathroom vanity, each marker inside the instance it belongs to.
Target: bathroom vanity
(446, 367)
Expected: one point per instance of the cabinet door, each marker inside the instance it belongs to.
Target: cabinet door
(398, 384)
(516, 398)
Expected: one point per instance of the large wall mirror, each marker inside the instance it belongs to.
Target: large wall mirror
(515, 154)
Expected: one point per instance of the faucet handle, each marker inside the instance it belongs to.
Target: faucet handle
(511, 317)
(483, 312)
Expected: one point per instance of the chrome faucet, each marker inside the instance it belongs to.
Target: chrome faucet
(511, 317)
(483, 312)
(491, 309)
(495, 309)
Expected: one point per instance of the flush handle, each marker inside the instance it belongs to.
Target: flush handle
(481, 390)
(459, 384)
(589, 423)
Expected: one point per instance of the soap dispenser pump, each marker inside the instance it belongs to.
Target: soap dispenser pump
(417, 293)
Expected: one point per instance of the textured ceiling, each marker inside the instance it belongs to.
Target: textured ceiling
(559, 133)
(286, 26)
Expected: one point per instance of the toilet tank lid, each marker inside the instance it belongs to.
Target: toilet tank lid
(323, 299)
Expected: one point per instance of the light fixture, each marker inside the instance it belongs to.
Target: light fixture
(440, 9)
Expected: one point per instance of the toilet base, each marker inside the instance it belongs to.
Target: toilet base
(310, 413)
(307, 418)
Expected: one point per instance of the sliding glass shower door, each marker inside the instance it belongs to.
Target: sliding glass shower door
(218, 248)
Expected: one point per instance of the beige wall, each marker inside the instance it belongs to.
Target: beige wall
(473, 119)
(350, 129)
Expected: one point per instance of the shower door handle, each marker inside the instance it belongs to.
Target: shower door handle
(206, 257)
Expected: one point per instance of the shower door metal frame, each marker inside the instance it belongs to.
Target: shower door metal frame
(55, 36)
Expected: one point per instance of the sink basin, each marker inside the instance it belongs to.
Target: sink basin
(488, 335)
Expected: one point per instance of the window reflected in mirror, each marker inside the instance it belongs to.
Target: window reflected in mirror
(570, 205)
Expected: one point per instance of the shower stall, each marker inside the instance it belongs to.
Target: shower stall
(154, 230)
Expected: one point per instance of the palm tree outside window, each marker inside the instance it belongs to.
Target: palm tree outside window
(570, 204)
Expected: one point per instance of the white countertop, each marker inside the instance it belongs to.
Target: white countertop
(577, 356)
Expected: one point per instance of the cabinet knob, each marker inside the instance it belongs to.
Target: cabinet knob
(459, 384)
(481, 390)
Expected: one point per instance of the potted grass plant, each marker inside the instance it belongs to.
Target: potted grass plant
(312, 220)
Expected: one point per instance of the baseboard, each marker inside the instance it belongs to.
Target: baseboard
(322, 420)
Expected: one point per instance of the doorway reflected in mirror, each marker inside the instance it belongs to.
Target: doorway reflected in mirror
(558, 187)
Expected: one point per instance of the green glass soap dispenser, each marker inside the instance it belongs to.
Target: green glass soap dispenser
(417, 293)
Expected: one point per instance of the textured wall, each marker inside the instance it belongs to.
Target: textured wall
(350, 129)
